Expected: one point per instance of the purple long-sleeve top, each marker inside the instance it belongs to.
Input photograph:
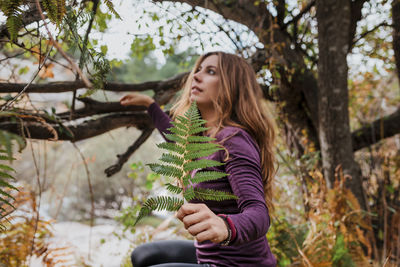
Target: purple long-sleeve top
(248, 213)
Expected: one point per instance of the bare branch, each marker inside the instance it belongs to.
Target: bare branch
(77, 131)
(124, 157)
(302, 12)
(383, 24)
(380, 129)
(58, 87)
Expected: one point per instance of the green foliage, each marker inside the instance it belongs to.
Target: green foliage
(6, 156)
(341, 255)
(284, 238)
(55, 10)
(178, 165)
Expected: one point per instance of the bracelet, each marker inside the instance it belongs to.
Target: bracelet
(231, 229)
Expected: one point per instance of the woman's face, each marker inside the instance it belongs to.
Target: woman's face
(205, 82)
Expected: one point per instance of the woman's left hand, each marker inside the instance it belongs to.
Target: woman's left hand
(202, 223)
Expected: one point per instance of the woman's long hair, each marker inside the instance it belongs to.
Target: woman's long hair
(239, 103)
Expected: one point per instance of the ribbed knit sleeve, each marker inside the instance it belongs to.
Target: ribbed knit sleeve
(245, 179)
(160, 119)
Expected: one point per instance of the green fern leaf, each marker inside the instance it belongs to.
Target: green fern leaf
(7, 168)
(189, 194)
(166, 170)
(205, 176)
(198, 130)
(184, 155)
(172, 147)
(5, 184)
(6, 175)
(201, 146)
(173, 159)
(159, 203)
(175, 138)
(180, 126)
(200, 154)
(200, 164)
(209, 194)
(14, 23)
(6, 202)
(177, 131)
(173, 188)
(197, 138)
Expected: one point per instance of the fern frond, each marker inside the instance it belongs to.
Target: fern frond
(175, 138)
(166, 170)
(200, 154)
(181, 119)
(177, 131)
(201, 164)
(173, 188)
(198, 138)
(173, 159)
(198, 130)
(209, 194)
(6, 175)
(171, 147)
(5, 201)
(6, 168)
(205, 176)
(159, 203)
(201, 146)
(189, 194)
(180, 125)
(14, 23)
(5, 184)
(183, 157)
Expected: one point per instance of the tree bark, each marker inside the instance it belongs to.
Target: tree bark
(396, 34)
(333, 114)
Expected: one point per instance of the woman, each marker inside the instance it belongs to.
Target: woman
(231, 232)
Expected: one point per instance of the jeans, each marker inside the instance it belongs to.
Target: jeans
(168, 253)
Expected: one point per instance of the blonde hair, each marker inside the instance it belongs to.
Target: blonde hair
(239, 103)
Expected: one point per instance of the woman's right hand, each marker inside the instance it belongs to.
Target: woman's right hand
(136, 99)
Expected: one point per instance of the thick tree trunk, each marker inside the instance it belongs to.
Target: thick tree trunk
(396, 34)
(334, 20)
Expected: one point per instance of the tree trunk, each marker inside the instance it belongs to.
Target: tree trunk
(334, 18)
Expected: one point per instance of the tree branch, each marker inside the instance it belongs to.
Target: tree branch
(370, 31)
(80, 131)
(124, 157)
(356, 15)
(380, 129)
(302, 12)
(396, 34)
(68, 86)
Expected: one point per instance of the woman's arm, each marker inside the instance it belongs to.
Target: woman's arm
(160, 119)
(245, 179)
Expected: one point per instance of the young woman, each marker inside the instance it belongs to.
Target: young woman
(232, 232)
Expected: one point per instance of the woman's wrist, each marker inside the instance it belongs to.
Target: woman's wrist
(231, 230)
(149, 102)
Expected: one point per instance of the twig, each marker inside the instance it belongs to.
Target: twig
(302, 12)
(124, 157)
(40, 194)
(385, 24)
(91, 195)
(8, 104)
(84, 48)
(73, 64)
